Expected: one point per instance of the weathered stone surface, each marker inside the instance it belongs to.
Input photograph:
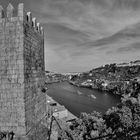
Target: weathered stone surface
(22, 104)
(10, 10)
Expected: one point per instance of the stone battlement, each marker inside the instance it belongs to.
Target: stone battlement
(19, 13)
(22, 72)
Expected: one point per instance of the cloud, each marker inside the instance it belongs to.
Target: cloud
(96, 21)
(81, 34)
(129, 33)
(61, 35)
(87, 30)
(132, 48)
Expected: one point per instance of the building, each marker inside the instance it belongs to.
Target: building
(22, 104)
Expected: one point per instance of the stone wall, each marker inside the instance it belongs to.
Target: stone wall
(22, 104)
(12, 114)
(35, 102)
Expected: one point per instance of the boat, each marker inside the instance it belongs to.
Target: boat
(79, 93)
(92, 96)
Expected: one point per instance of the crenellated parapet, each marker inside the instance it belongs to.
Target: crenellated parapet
(10, 11)
(32, 22)
(20, 14)
(36, 25)
(22, 67)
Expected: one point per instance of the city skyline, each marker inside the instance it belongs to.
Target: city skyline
(83, 34)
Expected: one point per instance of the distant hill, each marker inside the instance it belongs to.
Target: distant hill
(111, 77)
(121, 71)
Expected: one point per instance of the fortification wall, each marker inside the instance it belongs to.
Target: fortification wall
(22, 104)
(12, 114)
(35, 102)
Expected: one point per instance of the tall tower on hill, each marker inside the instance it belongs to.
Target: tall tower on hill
(22, 104)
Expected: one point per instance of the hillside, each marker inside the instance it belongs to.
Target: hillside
(118, 123)
(111, 77)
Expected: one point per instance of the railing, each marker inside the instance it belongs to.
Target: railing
(64, 131)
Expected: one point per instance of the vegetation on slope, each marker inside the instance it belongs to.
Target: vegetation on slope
(118, 123)
(114, 78)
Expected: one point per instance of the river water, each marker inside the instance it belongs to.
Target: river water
(77, 99)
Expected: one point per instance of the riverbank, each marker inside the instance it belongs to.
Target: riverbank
(56, 108)
(55, 81)
(119, 88)
(113, 78)
(89, 86)
(63, 117)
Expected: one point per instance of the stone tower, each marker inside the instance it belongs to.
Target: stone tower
(22, 104)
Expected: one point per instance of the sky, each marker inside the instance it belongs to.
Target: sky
(83, 34)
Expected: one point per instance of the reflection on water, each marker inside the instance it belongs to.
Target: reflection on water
(77, 99)
(79, 92)
(92, 96)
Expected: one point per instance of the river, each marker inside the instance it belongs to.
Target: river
(77, 99)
